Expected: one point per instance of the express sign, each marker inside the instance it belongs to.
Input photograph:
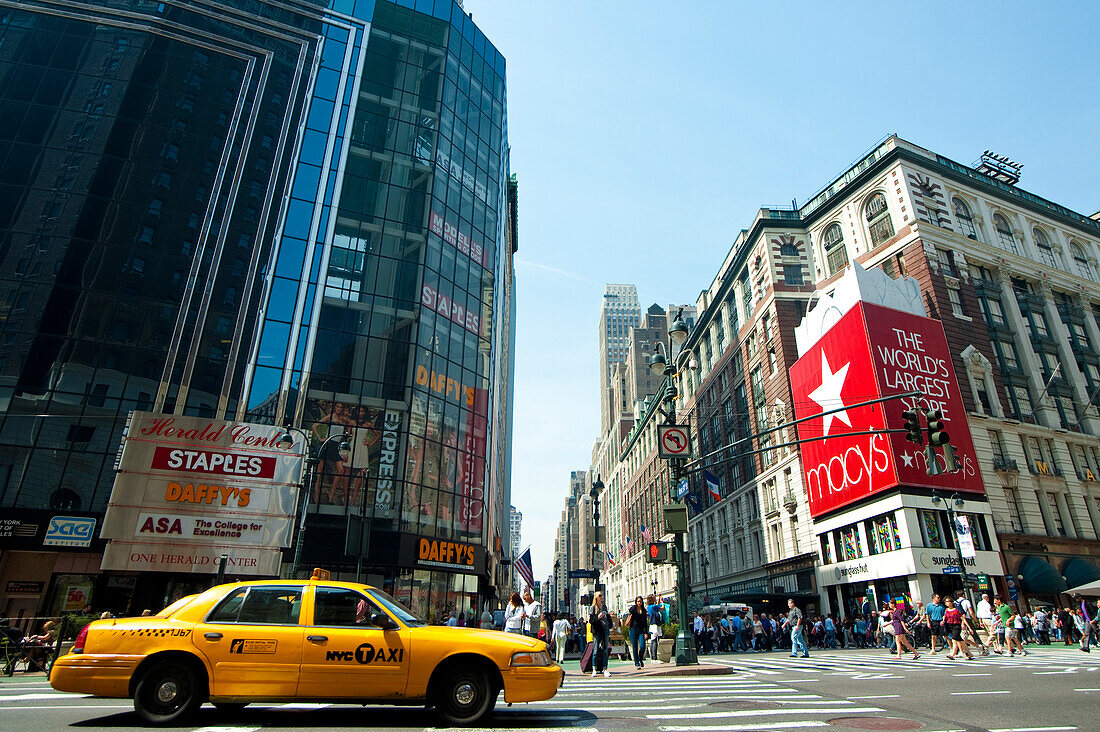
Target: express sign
(872, 352)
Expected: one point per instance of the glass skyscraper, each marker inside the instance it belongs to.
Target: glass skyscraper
(299, 214)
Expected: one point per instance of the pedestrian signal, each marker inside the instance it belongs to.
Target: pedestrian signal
(912, 427)
(658, 553)
(936, 434)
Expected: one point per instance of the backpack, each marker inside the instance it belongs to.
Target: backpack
(656, 617)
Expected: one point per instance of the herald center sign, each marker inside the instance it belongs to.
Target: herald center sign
(189, 490)
(872, 352)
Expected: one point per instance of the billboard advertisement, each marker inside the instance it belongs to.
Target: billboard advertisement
(875, 351)
(190, 489)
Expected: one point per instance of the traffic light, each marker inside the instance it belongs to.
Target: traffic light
(912, 427)
(658, 553)
(936, 435)
(952, 460)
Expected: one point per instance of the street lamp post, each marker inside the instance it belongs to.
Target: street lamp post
(597, 489)
(557, 584)
(286, 442)
(951, 504)
(706, 583)
(685, 652)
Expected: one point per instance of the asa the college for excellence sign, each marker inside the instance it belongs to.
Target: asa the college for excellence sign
(189, 490)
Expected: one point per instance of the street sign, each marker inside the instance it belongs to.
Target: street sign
(676, 518)
(952, 569)
(672, 441)
(583, 574)
(681, 488)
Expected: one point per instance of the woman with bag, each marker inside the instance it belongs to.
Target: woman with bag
(514, 615)
(599, 621)
(636, 621)
(953, 621)
(902, 634)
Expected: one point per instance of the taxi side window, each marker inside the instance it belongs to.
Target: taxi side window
(341, 607)
(266, 605)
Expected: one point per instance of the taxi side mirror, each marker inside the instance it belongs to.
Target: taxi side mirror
(381, 620)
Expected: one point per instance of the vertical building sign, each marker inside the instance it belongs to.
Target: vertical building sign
(189, 490)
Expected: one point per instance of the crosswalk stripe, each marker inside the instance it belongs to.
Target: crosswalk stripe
(760, 713)
(747, 727)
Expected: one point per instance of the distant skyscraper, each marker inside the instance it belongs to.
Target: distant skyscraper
(620, 312)
(515, 527)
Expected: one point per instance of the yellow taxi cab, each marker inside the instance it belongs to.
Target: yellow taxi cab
(316, 640)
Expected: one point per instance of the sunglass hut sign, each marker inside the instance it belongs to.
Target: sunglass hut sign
(873, 352)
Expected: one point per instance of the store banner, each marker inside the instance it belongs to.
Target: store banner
(871, 352)
(966, 539)
(190, 489)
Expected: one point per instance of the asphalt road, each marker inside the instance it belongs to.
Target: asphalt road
(1051, 690)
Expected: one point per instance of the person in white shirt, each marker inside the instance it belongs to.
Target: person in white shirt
(452, 621)
(985, 617)
(560, 631)
(533, 611)
(514, 614)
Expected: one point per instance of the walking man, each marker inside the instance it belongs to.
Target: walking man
(533, 610)
(985, 618)
(935, 612)
(794, 621)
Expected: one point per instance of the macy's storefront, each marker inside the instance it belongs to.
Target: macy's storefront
(900, 547)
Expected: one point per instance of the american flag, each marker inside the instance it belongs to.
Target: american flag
(629, 546)
(647, 537)
(523, 566)
(622, 550)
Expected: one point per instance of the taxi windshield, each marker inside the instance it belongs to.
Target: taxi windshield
(397, 609)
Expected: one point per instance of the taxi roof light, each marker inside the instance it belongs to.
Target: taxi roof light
(321, 574)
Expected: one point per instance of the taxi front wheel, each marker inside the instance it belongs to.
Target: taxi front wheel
(465, 697)
(168, 692)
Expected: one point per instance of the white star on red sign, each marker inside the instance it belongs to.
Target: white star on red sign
(827, 395)
(907, 459)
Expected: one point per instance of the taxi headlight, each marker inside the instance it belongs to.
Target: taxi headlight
(531, 658)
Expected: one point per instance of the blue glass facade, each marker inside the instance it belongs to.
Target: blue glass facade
(288, 215)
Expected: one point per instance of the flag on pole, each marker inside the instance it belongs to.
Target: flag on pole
(712, 485)
(622, 550)
(523, 566)
(629, 545)
(610, 558)
(647, 537)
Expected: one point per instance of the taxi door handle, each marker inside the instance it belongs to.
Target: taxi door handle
(317, 638)
(212, 636)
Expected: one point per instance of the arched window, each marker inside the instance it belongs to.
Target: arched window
(1046, 252)
(1083, 267)
(65, 499)
(878, 219)
(966, 221)
(788, 249)
(1004, 233)
(833, 243)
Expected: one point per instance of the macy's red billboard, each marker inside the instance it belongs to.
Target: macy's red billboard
(871, 352)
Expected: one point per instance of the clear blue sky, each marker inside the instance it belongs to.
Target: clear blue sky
(645, 135)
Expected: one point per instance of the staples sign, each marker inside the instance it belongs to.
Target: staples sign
(69, 531)
(872, 352)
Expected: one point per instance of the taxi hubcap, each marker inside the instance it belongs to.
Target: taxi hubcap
(465, 694)
(166, 692)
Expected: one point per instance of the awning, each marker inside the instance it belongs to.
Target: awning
(1077, 571)
(1091, 589)
(1040, 578)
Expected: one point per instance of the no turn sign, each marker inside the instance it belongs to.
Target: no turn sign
(672, 441)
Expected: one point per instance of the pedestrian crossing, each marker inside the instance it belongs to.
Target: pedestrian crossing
(702, 704)
(879, 664)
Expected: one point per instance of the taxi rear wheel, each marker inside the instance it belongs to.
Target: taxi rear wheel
(465, 697)
(167, 692)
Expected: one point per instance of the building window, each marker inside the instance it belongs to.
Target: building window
(878, 219)
(1022, 399)
(994, 311)
(966, 221)
(850, 545)
(1005, 238)
(1009, 360)
(1056, 513)
(882, 534)
(833, 243)
(792, 275)
(787, 249)
(1046, 253)
(1013, 501)
(1083, 267)
(957, 308)
(982, 387)
(930, 527)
